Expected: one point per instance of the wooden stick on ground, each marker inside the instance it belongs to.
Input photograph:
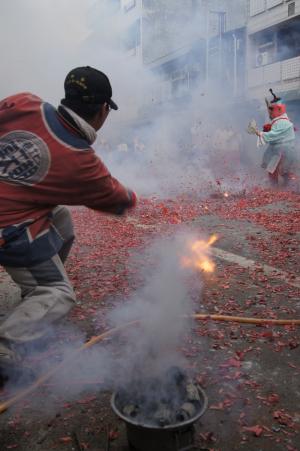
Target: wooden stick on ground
(198, 316)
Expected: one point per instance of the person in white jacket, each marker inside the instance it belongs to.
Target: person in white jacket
(279, 135)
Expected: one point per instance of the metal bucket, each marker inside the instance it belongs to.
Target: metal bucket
(175, 437)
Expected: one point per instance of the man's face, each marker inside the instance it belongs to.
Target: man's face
(101, 116)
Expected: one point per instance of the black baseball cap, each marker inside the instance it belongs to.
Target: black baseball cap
(88, 85)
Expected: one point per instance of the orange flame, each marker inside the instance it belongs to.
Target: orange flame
(199, 255)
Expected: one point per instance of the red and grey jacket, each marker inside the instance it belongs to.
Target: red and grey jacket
(45, 162)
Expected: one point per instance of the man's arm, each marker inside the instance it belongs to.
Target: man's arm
(83, 179)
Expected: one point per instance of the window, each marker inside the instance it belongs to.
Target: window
(289, 41)
(257, 7)
(291, 9)
(272, 3)
(132, 38)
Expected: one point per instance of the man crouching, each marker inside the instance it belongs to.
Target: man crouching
(46, 160)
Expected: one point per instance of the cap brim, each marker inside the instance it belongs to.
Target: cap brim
(113, 105)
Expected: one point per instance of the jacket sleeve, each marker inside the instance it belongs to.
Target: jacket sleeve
(83, 179)
(279, 132)
(99, 190)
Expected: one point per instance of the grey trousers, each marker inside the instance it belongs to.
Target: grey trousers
(47, 294)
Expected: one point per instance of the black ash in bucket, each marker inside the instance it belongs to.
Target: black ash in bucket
(160, 412)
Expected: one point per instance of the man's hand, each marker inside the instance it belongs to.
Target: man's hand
(133, 198)
(267, 127)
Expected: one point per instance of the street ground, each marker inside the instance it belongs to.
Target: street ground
(250, 373)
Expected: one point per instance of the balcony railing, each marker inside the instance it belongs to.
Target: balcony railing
(281, 72)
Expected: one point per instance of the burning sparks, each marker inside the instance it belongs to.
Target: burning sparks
(199, 255)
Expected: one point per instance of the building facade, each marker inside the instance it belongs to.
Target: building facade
(274, 49)
(244, 46)
(189, 44)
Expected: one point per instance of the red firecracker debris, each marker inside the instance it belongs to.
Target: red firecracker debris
(256, 430)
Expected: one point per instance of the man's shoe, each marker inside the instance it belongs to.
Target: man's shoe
(10, 362)
(12, 369)
(8, 356)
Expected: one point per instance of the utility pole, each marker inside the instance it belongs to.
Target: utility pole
(221, 29)
(141, 32)
(207, 45)
(234, 65)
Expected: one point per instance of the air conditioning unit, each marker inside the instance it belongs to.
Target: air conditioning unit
(262, 59)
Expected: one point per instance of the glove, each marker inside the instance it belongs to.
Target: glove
(126, 205)
(267, 127)
(252, 127)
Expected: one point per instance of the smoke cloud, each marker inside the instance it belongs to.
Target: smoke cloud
(40, 42)
(154, 146)
(148, 349)
(162, 307)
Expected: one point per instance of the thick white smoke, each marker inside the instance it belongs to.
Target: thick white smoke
(173, 148)
(40, 42)
(163, 308)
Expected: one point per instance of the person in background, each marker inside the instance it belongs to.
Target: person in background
(138, 145)
(105, 146)
(122, 147)
(279, 134)
(47, 160)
